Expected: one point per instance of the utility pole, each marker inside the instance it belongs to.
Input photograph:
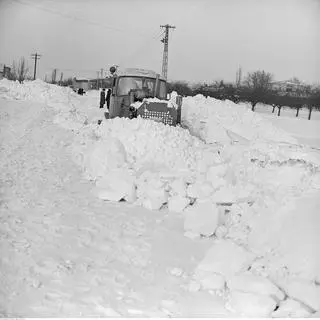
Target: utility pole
(238, 77)
(61, 77)
(101, 81)
(54, 76)
(36, 57)
(98, 80)
(165, 41)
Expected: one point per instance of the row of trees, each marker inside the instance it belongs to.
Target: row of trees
(20, 71)
(256, 88)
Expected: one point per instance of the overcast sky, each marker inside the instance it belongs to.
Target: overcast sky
(211, 40)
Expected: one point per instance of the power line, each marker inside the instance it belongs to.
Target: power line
(141, 48)
(68, 16)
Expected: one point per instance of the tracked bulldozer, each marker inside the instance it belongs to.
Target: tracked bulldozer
(142, 93)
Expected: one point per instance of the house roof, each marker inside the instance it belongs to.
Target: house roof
(287, 82)
(81, 79)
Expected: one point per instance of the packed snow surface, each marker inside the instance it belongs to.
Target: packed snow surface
(229, 179)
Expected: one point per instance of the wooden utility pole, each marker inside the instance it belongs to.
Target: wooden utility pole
(36, 57)
(101, 81)
(54, 76)
(238, 77)
(61, 77)
(98, 80)
(165, 41)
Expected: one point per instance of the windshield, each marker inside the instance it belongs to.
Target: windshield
(125, 84)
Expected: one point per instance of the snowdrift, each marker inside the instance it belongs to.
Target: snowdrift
(219, 121)
(37, 90)
(231, 174)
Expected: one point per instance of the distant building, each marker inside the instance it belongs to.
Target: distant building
(82, 83)
(4, 71)
(289, 87)
(89, 84)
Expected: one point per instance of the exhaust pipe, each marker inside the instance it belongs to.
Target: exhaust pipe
(156, 87)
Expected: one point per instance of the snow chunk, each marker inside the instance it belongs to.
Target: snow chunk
(227, 258)
(194, 286)
(177, 272)
(248, 282)
(217, 171)
(202, 218)
(178, 203)
(151, 191)
(224, 195)
(104, 156)
(210, 280)
(117, 185)
(251, 304)
(200, 190)
(152, 203)
(290, 308)
(304, 291)
(178, 187)
(221, 232)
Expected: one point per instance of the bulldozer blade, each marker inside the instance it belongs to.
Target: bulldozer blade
(158, 111)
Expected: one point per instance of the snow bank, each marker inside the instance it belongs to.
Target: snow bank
(61, 99)
(37, 90)
(149, 142)
(209, 116)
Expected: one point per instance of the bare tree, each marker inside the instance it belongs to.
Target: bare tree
(314, 101)
(258, 85)
(67, 82)
(19, 70)
(259, 80)
(181, 87)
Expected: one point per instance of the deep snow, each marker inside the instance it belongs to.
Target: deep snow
(230, 184)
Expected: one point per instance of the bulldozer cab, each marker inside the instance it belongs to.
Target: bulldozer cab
(139, 79)
(132, 85)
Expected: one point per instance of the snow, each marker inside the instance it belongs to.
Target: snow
(247, 282)
(251, 305)
(178, 203)
(305, 291)
(202, 219)
(171, 103)
(210, 280)
(224, 117)
(291, 309)
(243, 191)
(227, 258)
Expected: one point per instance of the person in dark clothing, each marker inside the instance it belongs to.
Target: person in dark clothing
(108, 98)
(102, 98)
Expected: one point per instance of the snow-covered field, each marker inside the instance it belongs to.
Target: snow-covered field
(135, 218)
